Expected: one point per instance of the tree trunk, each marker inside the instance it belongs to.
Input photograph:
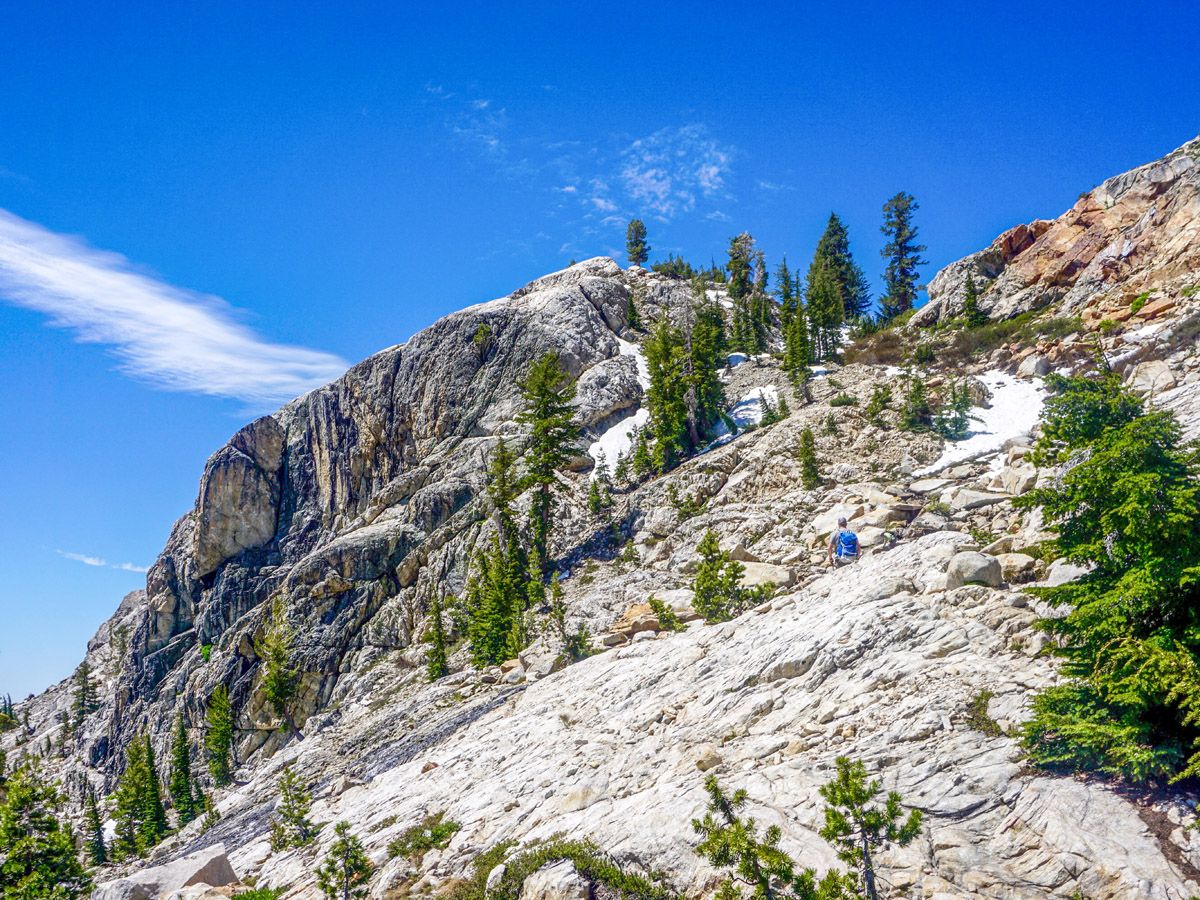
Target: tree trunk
(868, 869)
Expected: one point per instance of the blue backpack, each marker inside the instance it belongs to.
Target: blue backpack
(847, 543)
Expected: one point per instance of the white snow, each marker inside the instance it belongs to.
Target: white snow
(736, 359)
(747, 411)
(618, 439)
(1016, 406)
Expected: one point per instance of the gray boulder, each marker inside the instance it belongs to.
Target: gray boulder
(971, 567)
(209, 866)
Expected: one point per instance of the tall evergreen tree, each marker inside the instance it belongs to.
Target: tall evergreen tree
(706, 355)
(825, 308)
(180, 782)
(346, 870)
(495, 600)
(548, 391)
(666, 398)
(740, 265)
(38, 857)
(797, 347)
(834, 246)
(154, 815)
(810, 475)
(218, 737)
(273, 647)
(903, 255)
(785, 293)
(93, 840)
(636, 247)
(85, 693)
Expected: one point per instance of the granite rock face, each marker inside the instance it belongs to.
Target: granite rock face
(1137, 233)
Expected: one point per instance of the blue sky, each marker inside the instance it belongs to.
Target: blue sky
(209, 207)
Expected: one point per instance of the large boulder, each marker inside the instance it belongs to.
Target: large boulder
(209, 866)
(970, 567)
(1151, 377)
(757, 573)
(557, 881)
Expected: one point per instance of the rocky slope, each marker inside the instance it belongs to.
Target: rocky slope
(357, 503)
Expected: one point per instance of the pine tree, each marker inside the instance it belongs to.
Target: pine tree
(633, 318)
(834, 247)
(495, 599)
(218, 737)
(951, 420)
(857, 828)
(717, 589)
(548, 392)
(153, 827)
(797, 348)
(37, 852)
(903, 255)
(180, 781)
(280, 679)
(436, 666)
(915, 414)
(733, 843)
(810, 475)
(785, 293)
(740, 265)
(94, 845)
(636, 247)
(290, 826)
(85, 693)
(972, 315)
(825, 308)
(666, 397)
(346, 870)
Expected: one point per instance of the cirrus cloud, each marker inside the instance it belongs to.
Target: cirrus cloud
(172, 338)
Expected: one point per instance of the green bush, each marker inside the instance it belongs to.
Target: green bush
(431, 833)
(718, 593)
(978, 718)
(924, 354)
(843, 399)
(1138, 302)
(665, 615)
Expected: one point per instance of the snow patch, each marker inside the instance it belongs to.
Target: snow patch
(747, 411)
(736, 359)
(1015, 410)
(617, 439)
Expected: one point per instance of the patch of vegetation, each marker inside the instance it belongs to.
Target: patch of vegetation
(431, 833)
(687, 507)
(719, 595)
(982, 536)
(1108, 326)
(1138, 302)
(978, 718)
(1190, 291)
(924, 354)
(843, 399)
(206, 652)
(937, 508)
(881, 399)
(665, 615)
(260, 894)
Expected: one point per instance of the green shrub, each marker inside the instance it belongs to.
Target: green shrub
(924, 354)
(260, 894)
(978, 718)
(1138, 302)
(1108, 326)
(431, 833)
(881, 398)
(843, 399)
(718, 592)
(665, 615)
(687, 507)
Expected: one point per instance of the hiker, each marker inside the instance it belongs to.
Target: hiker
(843, 545)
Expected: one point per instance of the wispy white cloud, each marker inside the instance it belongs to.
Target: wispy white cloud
(172, 338)
(670, 170)
(100, 563)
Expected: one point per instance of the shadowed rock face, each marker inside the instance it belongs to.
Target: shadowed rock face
(354, 500)
(1136, 232)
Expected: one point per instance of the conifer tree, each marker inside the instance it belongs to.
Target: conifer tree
(85, 693)
(495, 600)
(757, 862)
(857, 828)
(180, 781)
(903, 255)
(436, 667)
(824, 306)
(915, 414)
(717, 589)
(834, 247)
(153, 827)
(706, 356)
(636, 247)
(810, 475)
(218, 737)
(290, 826)
(38, 857)
(274, 648)
(797, 347)
(633, 317)
(548, 392)
(740, 265)
(94, 846)
(666, 397)
(346, 870)
(973, 316)
(785, 293)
